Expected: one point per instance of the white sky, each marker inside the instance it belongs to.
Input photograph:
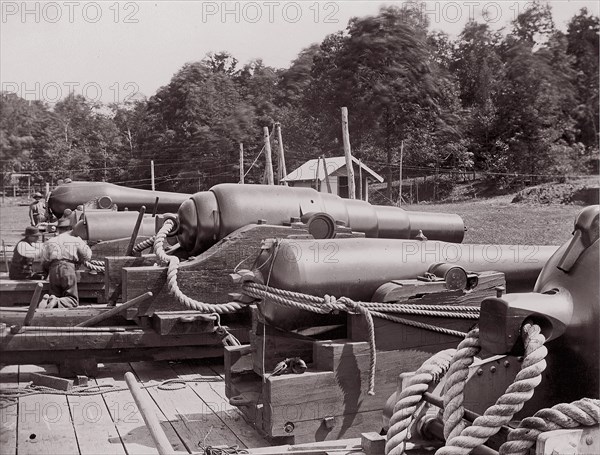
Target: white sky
(109, 50)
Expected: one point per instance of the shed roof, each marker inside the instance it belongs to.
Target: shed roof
(308, 171)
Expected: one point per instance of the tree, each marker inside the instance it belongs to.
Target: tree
(583, 45)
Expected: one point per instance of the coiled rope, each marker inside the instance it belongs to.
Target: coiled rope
(172, 268)
(511, 402)
(454, 385)
(432, 370)
(584, 412)
(143, 245)
(95, 265)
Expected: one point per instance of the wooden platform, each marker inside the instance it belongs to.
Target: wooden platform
(196, 414)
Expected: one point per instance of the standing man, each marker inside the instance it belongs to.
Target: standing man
(26, 251)
(37, 210)
(61, 254)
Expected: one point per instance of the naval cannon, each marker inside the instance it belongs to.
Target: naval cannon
(210, 216)
(73, 194)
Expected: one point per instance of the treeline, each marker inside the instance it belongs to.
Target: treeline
(519, 106)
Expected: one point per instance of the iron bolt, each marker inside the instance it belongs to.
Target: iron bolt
(288, 427)
(480, 371)
(493, 369)
(589, 440)
(506, 363)
(520, 358)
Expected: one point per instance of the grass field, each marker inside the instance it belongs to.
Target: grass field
(488, 221)
(500, 222)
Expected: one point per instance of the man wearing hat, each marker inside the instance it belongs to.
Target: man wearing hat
(26, 251)
(37, 210)
(61, 254)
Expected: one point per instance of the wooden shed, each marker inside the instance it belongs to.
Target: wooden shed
(312, 174)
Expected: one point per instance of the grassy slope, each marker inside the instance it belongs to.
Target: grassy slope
(498, 221)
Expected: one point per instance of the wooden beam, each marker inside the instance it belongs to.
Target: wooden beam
(35, 300)
(114, 311)
(327, 182)
(144, 404)
(136, 229)
(348, 153)
(241, 163)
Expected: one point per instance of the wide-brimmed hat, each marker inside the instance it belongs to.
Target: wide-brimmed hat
(64, 222)
(31, 231)
(37, 195)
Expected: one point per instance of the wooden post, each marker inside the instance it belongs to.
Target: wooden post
(152, 174)
(281, 169)
(327, 182)
(155, 209)
(35, 300)
(136, 229)
(348, 153)
(115, 310)
(144, 404)
(241, 163)
(360, 181)
(269, 160)
(400, 185)
(317, 175)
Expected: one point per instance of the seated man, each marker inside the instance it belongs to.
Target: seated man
(61, 254)
(26, 251)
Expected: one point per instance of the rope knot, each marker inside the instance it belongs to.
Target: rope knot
(329, 302)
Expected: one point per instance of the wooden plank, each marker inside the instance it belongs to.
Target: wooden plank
(192, 419)
(9, 378)
(213, 394)
(55, 317)
(130, 428)
(95, 430)
(45, 424)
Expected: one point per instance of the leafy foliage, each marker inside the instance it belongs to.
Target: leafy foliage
(518, 107)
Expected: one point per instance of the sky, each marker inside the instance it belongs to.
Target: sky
(112, 51)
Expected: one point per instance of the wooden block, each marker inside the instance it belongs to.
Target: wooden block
(372, 443)
(51, 381)
(181, 322)
(113, 275)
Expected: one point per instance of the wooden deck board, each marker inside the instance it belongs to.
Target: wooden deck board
(9, 377)
(213, 394)
(192, 419)
(131, 429)
(44, 421)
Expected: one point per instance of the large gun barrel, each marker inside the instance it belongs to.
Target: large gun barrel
(355, 268)
(104, 225)
(70, 195)
(209, 216)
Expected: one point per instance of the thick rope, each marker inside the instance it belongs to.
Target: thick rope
(454, 384)
(95, 265)
(412, 394)
(322, 306)
(143, 245)
(511, 402)
(584, 412)
(172, 268)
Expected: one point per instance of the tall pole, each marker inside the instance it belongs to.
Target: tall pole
(348, 153)
(400, 187)
(360, 183)
(317, 176)
(241, 163)
(327, 182)
(152, 174)
(269, 164)
(281, 170)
